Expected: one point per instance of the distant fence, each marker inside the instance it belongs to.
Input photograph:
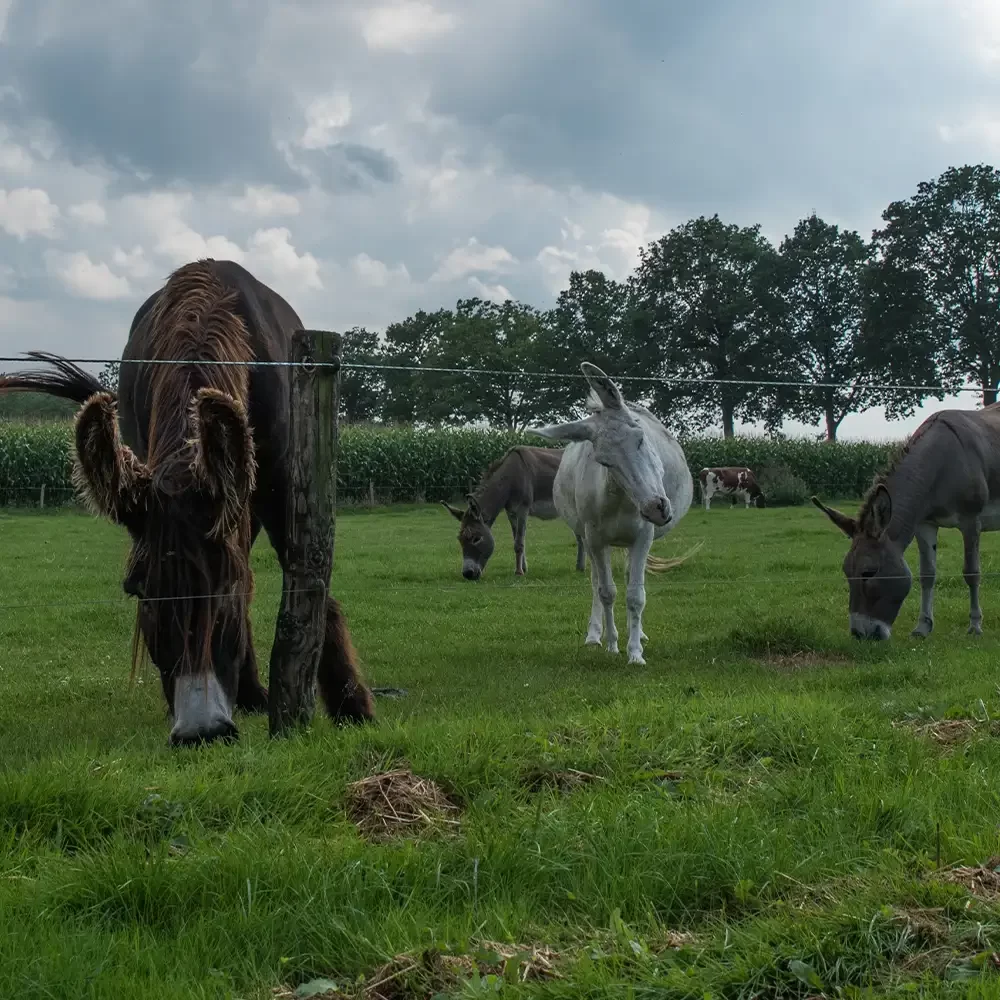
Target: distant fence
(406, 465)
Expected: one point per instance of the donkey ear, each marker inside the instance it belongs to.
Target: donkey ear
(878, 512)
(113, 482)
(455, 513)
(576, 430)
(224, 463)
(474, 508)
(608, 393)
(846, 524)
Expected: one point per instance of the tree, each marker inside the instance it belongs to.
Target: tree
(361, 389)
(414, 344)
(940, 272)
(470, 364)
(510, 340)
(603, 321)
(710, 290)
(109, 374)
(823, 286)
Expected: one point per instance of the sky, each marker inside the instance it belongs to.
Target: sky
(371, 160)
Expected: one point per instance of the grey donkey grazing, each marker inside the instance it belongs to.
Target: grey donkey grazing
(521, 484)
(946, 476)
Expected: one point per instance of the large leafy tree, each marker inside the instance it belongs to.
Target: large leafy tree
(473, 363)
(603, 321)
(939, 274)
(509, 340)
(361, 389)
(411, 347)
(823, 289)
(710, 288)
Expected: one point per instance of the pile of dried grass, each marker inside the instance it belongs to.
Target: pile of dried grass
(397, 803)
(409, 976)
(949, 733)
(981, 880)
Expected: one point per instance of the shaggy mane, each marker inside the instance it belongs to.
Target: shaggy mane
(194, 319)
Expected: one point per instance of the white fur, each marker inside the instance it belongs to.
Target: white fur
(620, 465)
(201, 708)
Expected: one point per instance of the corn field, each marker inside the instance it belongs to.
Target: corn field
(379, 465)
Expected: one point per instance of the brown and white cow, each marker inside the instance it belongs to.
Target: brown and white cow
(732, 481)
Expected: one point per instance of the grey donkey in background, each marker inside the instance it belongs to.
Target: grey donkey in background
(946, 476)
(521, 484)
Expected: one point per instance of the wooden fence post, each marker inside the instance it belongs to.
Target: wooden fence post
(309, 538)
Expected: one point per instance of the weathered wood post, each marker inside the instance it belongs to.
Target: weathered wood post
(301, 627)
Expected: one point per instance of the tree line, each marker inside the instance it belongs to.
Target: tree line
(715, 307)
(722, 326)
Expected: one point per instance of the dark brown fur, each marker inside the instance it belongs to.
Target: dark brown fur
(192, 459)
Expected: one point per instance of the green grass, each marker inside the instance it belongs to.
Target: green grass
(750, 787)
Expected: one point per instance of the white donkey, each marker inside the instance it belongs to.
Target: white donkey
(624, 482)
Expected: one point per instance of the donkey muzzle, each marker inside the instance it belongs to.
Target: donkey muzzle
(657, 511)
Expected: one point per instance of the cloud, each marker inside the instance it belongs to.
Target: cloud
(473, 256)
(271, 253)
(325, 117)
(375, 274)
(83, 277)
(133, 263)
(90, 212)
(346, 152)
(14, 159)
(127, 85)
(405, 26)
(264, 201)
(27, 212)
(495, 293)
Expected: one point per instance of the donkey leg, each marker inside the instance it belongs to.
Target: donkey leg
(519, 528)
(251, 695)
(607, 591)
(926, 535)
(596, 627)
(344, 693)
(635, 595)
(970, 570)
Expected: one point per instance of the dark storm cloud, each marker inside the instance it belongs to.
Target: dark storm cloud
(714, 106)
(347, 166)
(166, 90)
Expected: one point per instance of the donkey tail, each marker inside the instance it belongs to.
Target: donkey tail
(67, 381)
(657, 565)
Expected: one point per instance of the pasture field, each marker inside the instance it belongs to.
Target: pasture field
(766, 809)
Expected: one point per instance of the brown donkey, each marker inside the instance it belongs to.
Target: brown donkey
(192, 459)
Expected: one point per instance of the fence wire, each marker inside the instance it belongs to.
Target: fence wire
(950, 389)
